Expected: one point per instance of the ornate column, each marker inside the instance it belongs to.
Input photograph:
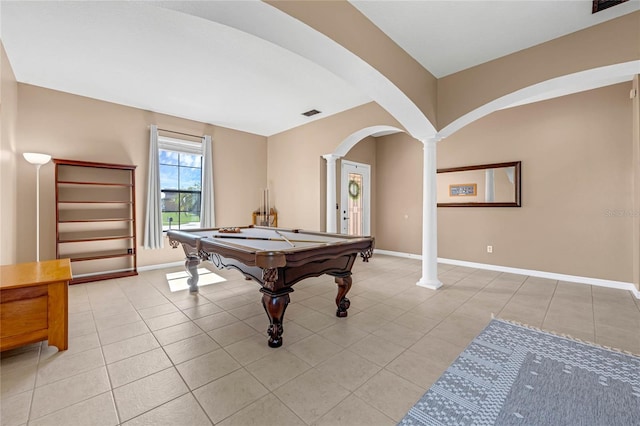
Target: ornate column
(331, 192)
(635, 99)
(429, 217)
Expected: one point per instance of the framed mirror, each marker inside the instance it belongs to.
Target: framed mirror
(486, 185)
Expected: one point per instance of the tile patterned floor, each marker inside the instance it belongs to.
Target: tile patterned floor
(140, 354)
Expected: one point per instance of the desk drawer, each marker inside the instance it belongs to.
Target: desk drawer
(23, 316)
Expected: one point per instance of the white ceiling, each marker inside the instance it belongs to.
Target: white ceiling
(179, 58)
(453, 35)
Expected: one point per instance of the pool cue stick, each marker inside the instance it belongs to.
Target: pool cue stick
(285, 238)
(241, 237)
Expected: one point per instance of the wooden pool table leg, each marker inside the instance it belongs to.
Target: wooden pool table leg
(191, 265)
(344, 285)
(274, 305)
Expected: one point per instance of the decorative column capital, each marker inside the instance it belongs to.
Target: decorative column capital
(432, 140)
(331, 158)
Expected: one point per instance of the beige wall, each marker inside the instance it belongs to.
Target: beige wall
(79, 128)
(576, 176)
(297, 171)
(398, 208)
(8, 157)
(576, 179)
(576, 188)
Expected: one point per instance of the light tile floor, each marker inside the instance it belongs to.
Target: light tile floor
(140, 354)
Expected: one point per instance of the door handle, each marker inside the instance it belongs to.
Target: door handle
(345, 218)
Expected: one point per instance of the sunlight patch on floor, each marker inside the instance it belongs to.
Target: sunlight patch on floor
(178, 280)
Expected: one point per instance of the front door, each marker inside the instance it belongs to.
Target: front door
(355, 203)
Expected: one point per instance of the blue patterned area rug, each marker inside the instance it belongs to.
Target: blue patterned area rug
(516, 375)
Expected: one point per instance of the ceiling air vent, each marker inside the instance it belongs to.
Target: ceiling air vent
(311, 113)
(599, 5)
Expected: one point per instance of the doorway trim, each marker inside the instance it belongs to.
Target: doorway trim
(347, 166)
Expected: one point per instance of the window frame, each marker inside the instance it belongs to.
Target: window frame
(180, 146)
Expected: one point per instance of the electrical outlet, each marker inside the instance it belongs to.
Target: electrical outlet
(489, 249)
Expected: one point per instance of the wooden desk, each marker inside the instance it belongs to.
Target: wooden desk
(34, 303)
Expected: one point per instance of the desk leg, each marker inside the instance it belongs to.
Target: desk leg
(344, 285)
(191, 265)
(58, 315)
(275, 305)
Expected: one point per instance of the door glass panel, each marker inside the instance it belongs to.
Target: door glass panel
(355, 210)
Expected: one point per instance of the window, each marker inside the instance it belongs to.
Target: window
(180, 183)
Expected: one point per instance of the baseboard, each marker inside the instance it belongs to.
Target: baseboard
(160, 266)
(620, 285)
(398, 254)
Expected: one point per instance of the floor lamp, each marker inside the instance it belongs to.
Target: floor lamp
(38, 160)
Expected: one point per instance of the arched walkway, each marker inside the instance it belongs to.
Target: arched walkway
(430, 241)
(559, 86)
(270, 23)
(342, 149)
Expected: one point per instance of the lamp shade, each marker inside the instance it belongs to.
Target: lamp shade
(37, 159)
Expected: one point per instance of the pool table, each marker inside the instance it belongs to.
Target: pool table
(276, 258)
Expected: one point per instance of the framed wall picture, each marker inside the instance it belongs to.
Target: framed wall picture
(463, 190)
